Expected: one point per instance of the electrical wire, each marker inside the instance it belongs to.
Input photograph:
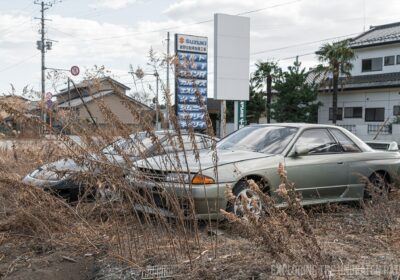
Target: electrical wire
(302, 44)
(179, 26)
(18, 63)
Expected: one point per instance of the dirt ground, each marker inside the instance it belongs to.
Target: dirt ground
(342, 232)
(44, 238)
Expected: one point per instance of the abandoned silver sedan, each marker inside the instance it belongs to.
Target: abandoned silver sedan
(325, 163)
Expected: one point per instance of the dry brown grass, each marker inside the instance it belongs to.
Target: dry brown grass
(113, 231)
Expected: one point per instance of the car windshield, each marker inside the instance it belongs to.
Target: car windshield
(138, 140)
(263, 139)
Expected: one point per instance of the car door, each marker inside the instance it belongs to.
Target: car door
(355, 161)
(321, 173)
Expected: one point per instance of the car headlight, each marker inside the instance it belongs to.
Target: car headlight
(44, 174)
(178, 177)
(35, 173)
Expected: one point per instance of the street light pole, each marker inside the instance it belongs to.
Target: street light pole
(139, 73)
(157, 122)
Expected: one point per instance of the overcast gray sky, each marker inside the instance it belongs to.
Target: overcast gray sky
(116, 33)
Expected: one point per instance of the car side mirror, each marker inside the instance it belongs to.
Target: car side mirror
(393, 147)
(300, 150)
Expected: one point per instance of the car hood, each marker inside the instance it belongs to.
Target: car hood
(69, 165)
(205, 161)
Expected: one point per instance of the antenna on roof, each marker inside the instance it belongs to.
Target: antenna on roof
(364, 15)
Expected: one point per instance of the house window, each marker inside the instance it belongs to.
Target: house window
(339, 115)
(372, 64)
(374, 114)
(353, 112)
(389, 60)
(398, 59)
(396, 110)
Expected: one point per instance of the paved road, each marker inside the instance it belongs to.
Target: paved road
(6, 144)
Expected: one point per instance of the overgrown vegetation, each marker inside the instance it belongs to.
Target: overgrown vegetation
(104, 229)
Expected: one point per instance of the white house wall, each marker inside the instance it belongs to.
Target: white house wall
(371, 98)
(373, 52)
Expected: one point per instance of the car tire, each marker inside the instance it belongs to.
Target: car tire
(242, 191)
(74, 195)
(380, 182)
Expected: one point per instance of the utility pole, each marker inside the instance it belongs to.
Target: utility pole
(43, 45)
(168, 91)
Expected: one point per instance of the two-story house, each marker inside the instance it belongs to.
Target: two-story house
(83, 100)
(369, 101)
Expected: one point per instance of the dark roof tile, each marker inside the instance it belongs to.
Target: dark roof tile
(377, 35)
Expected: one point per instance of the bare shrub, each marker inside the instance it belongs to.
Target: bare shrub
(379, 215)
(284, 233)
(34, 213)
(107, 216)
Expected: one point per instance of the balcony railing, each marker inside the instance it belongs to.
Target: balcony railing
(350, 127)
(382, 129)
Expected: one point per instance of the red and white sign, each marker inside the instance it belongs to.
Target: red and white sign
(49, 95)
(75, 70)
(189, 43)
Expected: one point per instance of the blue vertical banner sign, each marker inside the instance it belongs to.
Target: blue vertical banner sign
(191, 81)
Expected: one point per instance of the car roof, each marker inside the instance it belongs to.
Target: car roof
(379, 141)
(298, 125)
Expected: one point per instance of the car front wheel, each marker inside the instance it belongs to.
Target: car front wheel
(246, 202)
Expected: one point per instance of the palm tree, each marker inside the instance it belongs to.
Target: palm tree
(265, 73)
(335, 60)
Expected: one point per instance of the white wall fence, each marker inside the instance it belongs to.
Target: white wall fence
(389, 132)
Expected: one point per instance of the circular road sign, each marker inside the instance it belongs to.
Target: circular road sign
(75, 70)
(49, 103)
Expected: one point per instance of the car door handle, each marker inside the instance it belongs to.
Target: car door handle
(340, 162)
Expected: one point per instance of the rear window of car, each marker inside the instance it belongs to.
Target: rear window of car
(379, 146)
(347, 144)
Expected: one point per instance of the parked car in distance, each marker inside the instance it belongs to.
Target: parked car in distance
(383, 145)
(57, 176)
(325, 163)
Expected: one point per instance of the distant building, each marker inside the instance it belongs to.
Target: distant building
(85, 97)
(15, 101)
(11, 123)
(371, 97)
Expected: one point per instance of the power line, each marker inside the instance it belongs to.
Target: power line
(9, 30)
(262, 9)
(180, 26)
(302, 44)
(18, 63)
(291, 57)
(60, 31)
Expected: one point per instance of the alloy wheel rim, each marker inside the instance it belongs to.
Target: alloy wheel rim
(247, 201)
